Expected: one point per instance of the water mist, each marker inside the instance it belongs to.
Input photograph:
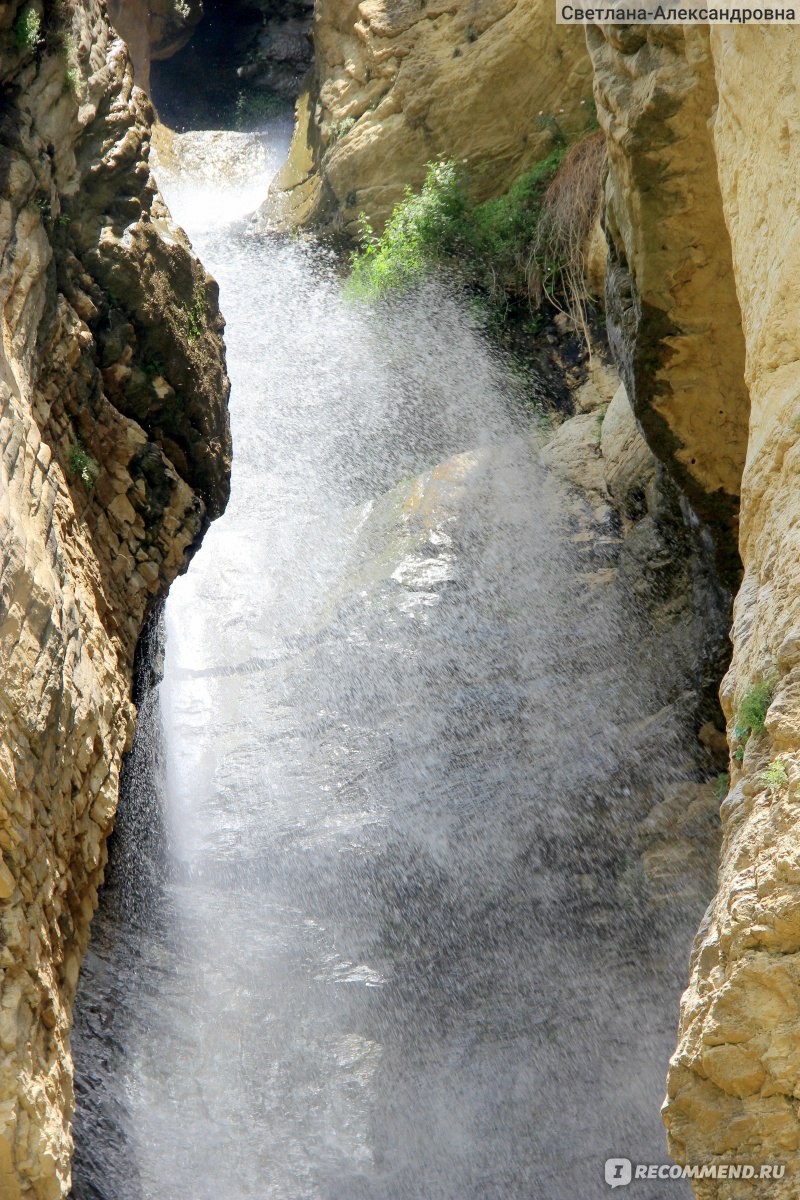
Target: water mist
(397, 943)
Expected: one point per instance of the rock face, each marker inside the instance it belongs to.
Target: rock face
(704, 250)
(154, 29)
(270, 43)
(115, 456)
(396, 85)
(672, 311)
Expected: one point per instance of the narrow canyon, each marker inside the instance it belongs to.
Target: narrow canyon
(399, 603)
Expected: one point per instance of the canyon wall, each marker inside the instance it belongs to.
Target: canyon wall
(154, 29)
(115, 457)
(703, 301)
(397, 85)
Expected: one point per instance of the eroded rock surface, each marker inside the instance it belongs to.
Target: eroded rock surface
(672, 310)
(115, 456)
(154, 29)
(703, 297)
(397, 85)
(734, 1083)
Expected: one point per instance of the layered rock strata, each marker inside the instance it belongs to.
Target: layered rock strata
(115, 457)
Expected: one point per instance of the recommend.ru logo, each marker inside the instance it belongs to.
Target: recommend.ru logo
(621, 1171)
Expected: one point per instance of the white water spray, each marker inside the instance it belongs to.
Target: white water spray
(398, 948)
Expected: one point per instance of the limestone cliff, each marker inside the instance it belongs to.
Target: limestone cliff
(396, 85)
(703, 300)
(115, 456)
(673, 315)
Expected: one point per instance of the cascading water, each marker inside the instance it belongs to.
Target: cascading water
(393, 940)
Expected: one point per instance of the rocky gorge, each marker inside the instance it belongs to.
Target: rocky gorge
(671, 437)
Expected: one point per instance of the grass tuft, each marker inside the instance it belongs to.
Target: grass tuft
(752, 712)
(775, 775)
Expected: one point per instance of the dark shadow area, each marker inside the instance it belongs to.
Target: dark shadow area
(132, 918)
(244, 62)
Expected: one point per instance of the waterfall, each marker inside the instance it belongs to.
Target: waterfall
(398, 943)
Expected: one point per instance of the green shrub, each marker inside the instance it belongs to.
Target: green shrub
(424, 229)
(752, 711)
(504, 258)
(28, 29)
(195, 316)
(775, 775)
(721, 785)
(81, 465)
(487, 244)
(73, 83)
(152, 365)
(341, 128)
(525, 245)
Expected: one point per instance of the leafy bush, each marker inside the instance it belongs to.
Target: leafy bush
(505, 233)
(73, 83)
(341, 128)
(775, 775)
(28, 29)
(526, 244)
(195, 316)
(82, 466)
(752, 712)
(424, 230)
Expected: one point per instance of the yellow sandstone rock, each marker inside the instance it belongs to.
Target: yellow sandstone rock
(704, 286)
(397, 85)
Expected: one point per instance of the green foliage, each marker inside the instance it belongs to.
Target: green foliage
(152, 366)
(340, 128)
(28, 29)
(81, 465)
(721, 785)
(424, 229)
(73, 83)
(775, 775)
(507, 229)
(488, 244)
(752, 711)
(196, 316)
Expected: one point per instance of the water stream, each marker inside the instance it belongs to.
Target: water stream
(374, 928)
